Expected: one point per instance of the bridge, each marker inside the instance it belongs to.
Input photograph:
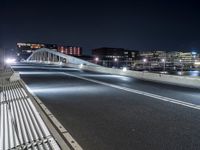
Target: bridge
(115, 109)
(45, 55)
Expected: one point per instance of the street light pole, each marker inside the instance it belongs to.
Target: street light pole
(97, 59)
(144, 61)
(116, 61)
(163, 60)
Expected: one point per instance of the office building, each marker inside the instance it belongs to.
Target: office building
(24, 50)
(114, 56)
(70, 50)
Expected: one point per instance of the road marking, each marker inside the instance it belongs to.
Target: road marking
(163, 98)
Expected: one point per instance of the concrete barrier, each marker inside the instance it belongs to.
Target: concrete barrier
(163, 78)
(155, 77)
(15, 77)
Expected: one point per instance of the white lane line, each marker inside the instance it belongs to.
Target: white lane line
(166, 99)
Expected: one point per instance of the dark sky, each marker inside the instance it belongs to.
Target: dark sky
(136, 24)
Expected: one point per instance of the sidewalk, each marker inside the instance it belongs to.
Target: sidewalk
(21, 126)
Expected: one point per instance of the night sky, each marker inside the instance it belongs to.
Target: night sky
(137, 24)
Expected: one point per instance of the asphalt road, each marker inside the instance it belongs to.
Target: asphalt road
(101, 116)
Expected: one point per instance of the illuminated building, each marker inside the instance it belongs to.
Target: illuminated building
(152, 55)
(70, 50)
(111, 56)
(24, 50)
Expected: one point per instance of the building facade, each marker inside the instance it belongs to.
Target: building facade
(152, 55)
(70, 50)
(24, 50)
(170, 59)
(114, 56)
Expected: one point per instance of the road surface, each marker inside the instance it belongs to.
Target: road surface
(111, 112)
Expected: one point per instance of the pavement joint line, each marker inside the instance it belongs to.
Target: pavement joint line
(159, 97)
(73, 143)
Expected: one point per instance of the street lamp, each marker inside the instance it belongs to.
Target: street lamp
(124, 69)
(115, 59)
(144, 61)
(163, 60)
(81, 66)
(97, 59)
(10, 60)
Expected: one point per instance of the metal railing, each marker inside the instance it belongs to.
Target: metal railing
(21, 126)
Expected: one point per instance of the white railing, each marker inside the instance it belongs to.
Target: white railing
(47, 55)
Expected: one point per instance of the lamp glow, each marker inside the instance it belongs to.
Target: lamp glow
(81, 66)
(144, 60)
(10, 60)
(124, 69)
(97, 59)
(197, 63)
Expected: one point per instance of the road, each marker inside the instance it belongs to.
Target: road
(111, 112)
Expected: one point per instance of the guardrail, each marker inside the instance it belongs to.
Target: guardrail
(155, 77)
(162, 78)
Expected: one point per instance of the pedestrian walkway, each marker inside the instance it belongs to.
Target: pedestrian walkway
(21, 126)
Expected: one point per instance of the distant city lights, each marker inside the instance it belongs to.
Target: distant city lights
(197, 62)
(194, 53)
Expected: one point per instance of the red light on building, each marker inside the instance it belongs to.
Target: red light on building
(66, 51)
(70, 50)
(74, 50)
(78, 53)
